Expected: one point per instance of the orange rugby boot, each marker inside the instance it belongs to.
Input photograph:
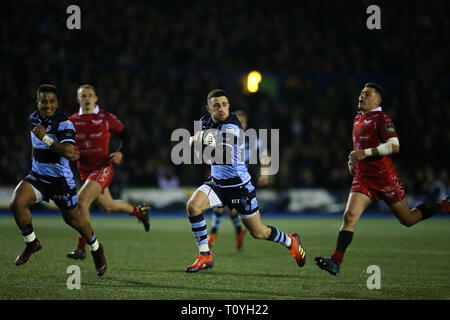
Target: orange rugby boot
(202, 262)
(212, 239)
(296, 249)
(240, 238)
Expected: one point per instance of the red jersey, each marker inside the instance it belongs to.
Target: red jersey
(93, 132)
(369, 130)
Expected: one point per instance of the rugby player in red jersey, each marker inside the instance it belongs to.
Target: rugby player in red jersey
(375, 177)
(93, 131)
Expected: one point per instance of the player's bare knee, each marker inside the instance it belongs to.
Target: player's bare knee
(83, 204)
(106, 209)
(350, 217)
(407, 222)
(193, 209)
(408, 219)
(16, 204)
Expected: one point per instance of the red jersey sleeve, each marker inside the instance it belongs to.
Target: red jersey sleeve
(114, 124)
(385, 127)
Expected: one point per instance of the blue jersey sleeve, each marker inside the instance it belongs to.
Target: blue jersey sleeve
(66, 132)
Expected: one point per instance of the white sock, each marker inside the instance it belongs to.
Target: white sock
(29, 238)
(288, 242)
(203, 248)
(94, 246)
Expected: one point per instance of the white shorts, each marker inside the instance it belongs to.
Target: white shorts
(37, 193)
(213, 198)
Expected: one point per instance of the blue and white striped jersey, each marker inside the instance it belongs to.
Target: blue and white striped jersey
(45, 162)
(235, 173)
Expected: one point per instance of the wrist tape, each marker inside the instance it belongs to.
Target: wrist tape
(47, 140)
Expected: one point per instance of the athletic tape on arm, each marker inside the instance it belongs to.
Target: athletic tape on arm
(384, 149)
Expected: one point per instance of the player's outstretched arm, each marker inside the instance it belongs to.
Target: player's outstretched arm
(62, 149)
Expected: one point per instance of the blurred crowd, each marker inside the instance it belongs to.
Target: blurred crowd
(153, 63)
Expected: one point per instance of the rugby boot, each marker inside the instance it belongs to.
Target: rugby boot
(30, 248)
(202, 262)
(296, 249)
(77, 254)
(445, 205)
(240, 238)
(212, 239)
(144, 218)
(99, 260)
(328, 264)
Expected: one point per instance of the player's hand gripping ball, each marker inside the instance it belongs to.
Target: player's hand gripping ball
(205, 136)
(208, 138)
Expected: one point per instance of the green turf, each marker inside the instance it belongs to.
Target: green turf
(414, 262)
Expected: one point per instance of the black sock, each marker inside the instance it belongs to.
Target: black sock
(27, 231)
(92, 241)
(344, 239)
(429, 210)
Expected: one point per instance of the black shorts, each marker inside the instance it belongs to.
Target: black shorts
(54, 188)
(242, 198)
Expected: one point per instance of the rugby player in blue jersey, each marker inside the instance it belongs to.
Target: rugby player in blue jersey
(53, 145)
(263, 180)
(230, 185)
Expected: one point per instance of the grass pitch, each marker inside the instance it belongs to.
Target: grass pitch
(414, 262)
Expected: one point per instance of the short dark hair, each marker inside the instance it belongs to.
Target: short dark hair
(46, 88)
(377, 88)
(216, 93)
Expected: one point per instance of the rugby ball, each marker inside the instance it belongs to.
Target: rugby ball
(208, 138)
